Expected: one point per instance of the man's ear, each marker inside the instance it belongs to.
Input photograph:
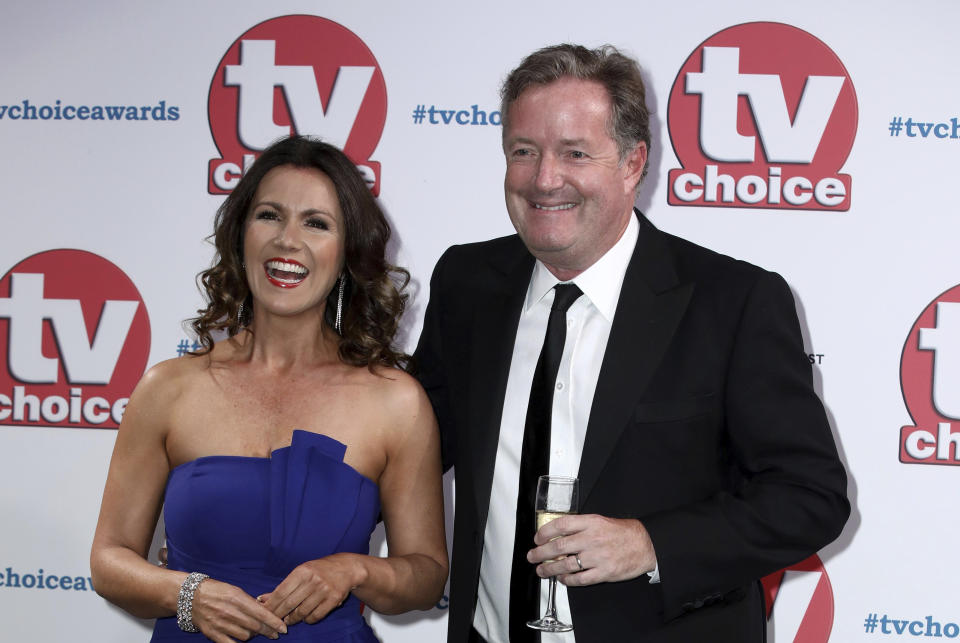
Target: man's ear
(634, 163)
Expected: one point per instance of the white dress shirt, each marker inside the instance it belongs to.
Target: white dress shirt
(589, 320)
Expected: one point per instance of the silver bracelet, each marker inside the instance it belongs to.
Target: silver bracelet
(185, 601)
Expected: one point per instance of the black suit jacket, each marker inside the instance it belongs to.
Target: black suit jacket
(704, 426)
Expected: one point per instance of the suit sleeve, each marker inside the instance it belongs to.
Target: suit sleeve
(429, 365)
(787, 494)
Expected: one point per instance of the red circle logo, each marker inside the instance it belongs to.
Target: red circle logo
(800, 600)
(77, 341)
(762, 115)
(930, 381)
(295, 74)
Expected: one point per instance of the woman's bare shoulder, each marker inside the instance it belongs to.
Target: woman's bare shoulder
(166, 381)
(172, 371)
(392, 382)
(402, 398)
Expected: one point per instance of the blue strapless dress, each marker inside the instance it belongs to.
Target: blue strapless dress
(249, 521)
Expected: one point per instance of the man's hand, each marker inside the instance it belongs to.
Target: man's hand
(609, 549)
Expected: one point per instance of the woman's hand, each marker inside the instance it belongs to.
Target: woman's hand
(313, 589)
(225, 613)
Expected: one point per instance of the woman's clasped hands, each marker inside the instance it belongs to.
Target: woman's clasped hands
(314, 588)
(225, 613)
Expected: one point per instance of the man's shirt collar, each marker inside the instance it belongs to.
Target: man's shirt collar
(601, 282)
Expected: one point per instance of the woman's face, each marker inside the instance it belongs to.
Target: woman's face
(293, 243)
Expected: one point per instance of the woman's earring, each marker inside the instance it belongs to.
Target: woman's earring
(243, 270)
(339, 304)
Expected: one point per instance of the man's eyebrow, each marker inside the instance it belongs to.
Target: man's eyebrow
(566, 141)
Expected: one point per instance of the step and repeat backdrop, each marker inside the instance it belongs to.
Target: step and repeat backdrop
(817, 139)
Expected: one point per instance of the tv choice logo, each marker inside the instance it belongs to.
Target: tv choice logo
(930, 382)
(295, 74)
(762, 115)
(77, 340)
(50, 580)
(799, 602)
(905, 626)
(27, 111)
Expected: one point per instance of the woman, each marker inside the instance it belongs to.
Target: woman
(274, 451)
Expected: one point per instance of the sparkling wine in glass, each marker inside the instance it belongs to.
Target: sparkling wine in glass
(556, 496)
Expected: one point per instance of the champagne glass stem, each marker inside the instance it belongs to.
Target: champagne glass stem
(552, 600)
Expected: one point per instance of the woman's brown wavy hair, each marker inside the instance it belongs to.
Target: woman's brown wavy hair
(373, 301)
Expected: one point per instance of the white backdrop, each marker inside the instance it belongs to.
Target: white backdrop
(868, 274)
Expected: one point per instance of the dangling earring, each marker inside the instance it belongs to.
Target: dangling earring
(336, 325)
(243, 270)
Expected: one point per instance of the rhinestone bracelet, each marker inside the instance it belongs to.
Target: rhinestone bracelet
(185, 601)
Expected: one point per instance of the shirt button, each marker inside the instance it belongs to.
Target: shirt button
(559, 386)
(569, 322)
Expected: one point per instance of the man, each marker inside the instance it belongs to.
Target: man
(682, 401)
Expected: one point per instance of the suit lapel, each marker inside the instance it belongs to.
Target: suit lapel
(652, 303)
(493, 336)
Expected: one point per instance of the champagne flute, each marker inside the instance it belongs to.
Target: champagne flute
(556, 496)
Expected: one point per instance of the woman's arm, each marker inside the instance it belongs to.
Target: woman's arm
(131, 505)
(413, 574)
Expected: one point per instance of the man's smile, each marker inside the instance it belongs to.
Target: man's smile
(553, 208)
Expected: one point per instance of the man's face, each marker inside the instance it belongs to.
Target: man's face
(568, 194)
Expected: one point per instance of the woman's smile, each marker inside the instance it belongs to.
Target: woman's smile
(285, 273)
